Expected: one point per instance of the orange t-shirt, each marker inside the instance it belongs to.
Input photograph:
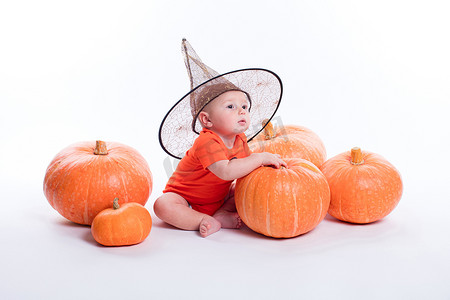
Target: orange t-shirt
(204, 191)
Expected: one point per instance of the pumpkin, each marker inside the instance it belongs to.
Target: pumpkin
(83, 178)
(284, 202)
(364, 186)
(290, 141)
(124, 225)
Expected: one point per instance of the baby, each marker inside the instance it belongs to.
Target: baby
(200, 193)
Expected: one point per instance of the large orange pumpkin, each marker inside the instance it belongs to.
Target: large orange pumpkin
(283, 202)
(290, 141)
(83, 178)
(124, 225)
(364, 186)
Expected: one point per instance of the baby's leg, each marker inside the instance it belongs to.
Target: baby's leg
(227, 214)
(174, 210)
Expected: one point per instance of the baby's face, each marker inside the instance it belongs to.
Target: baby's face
(229, 113)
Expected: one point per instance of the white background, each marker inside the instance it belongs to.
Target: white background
(373, 74)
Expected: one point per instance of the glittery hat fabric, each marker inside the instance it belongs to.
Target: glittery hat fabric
(180, 126)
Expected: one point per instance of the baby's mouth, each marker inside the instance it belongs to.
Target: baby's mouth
(242, 122)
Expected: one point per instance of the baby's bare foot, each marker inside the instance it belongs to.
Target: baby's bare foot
(228, 219)
(208, 226)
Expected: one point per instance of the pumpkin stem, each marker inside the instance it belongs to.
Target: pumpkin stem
(357, 158)
(268, 130)
(116, 203)
(100, 148)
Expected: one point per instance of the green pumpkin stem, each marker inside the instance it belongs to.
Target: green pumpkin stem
(116, 203)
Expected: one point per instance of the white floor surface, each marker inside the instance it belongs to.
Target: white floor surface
(373, 75)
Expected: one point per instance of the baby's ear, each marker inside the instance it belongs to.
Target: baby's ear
(204, 119)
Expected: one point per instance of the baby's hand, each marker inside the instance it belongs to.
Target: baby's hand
(269, 159)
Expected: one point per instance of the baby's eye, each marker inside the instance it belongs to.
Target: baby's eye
(230, 106)
(244, 107)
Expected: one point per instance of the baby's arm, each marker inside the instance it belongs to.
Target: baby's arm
(237, 168)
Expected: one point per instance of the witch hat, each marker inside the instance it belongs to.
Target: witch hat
(180, 126)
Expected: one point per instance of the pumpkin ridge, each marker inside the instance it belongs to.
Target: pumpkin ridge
(298, 174)
(115, 229)
(322, 213)
(68, 177)
(86, 203)
(141, 227)
(309, 167)
(107, 224)
(137, 217)
(122, 180)
(59, 163)
(296, 207)
(243, 212)
(254, 193)
(123, 164)
(287, 198)
(268, 225)
(96, 171)
(320, 181)
(50, 191)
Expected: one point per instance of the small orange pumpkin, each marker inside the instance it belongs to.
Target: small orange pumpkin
(290, 141)
(285, 202)
(364, 186)
(83, 178)
(124, 225)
